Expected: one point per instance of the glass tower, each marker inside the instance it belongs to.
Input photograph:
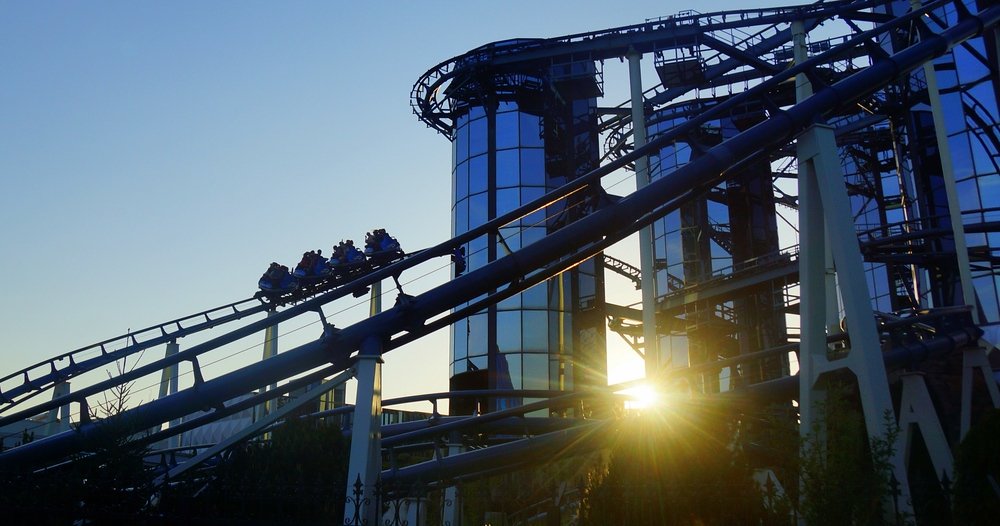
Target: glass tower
(515, 139)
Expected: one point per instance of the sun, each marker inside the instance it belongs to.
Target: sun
(642, 396)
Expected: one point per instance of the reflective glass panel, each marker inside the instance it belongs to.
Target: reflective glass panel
(660, 247)
(477, 137)
(477, 335)
(513, 302)
(462, 216)
(476, 362)
(509, 331)
(477, 252)
(528, 195)
(531, 130)
(534, 298)
(507, 200)
(508, 168)
(462, 143)
(506, 130)
(506, 105)
(460, 339)
(535, 330)
(532, 167)
(514, 366)
(478, 210)
(512, 237)
(683, 153)
(674, 249)
(462, 181)
(536, 371)
(477, 259)
(478, 174)
(587, 292)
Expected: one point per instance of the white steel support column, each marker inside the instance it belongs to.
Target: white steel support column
(825, 211)
(813, 267)
(452, 506)
(973, 361)
(57, 420)
(803, 90)
(270, 350)
(650, 338)
(361, 505)
(820, 179)
(917, 409)
(451, 513)
(366, 437)
(168, 386)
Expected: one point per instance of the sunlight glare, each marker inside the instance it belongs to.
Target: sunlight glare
(643, 397)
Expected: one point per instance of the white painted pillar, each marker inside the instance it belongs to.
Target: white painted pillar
(451, 508)
(270, 350)
(169, 386)
(824, 201)
(916, 410)
(57, 419)
(366, 437)
(361, 505)
(974, 360)
(813, 273)
(650, 337)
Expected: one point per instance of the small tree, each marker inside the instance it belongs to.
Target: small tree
(976, 497)
(845, 474)
(299, 476)
(107, 483)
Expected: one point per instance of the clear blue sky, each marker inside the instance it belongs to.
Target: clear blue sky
(156, 156)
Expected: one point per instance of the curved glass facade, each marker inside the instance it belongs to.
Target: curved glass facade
(526, 341)
(710, 238)
(967, 78)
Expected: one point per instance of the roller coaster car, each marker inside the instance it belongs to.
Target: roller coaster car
(347, 263)
(383, 250)
(276, 285)
(382, 257)
(312, 270)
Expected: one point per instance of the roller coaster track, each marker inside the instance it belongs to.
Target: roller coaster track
(67, 366)
(414, 317)
(429, 98)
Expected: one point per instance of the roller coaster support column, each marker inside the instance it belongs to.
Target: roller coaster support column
(362, 503)
(650, 339)
(270, 350)
(971, 362)
(917, 409)
(825, 210)
(361, 506)
(168, 386)
(452, 506)
(57, 420)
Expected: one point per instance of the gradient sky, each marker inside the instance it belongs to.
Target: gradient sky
(156, 156)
